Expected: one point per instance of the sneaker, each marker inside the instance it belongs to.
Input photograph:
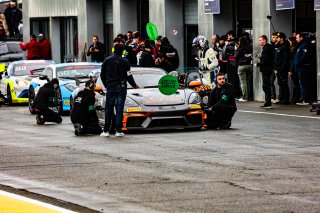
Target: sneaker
(120, 134)
(77, 129)
(242, 100)
(302, 104)
(105, 134)
(274, 101)
(39, 119)
(266, 106)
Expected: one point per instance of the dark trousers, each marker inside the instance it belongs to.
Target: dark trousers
(304, 85)
(91, 128)
(115, 97)
(220, 116)
(296, 87)
(272, 87)
(50, 116)
(283, 87)
(266, 86)
(233, 78)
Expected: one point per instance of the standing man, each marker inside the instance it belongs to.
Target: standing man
(33, 48)
(83, 114)
(45, 48)
(302, 65)
(13, 17)
(114, 75)
(282, 67)
(46, 98)
(222, 105)
(96, 50)
(266, 68)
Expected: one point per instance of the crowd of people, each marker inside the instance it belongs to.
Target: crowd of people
(10, 22)
(281, 59)
(139, 52)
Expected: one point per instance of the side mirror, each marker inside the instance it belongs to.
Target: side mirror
(98, 88)
(195, 84)
(44, 77)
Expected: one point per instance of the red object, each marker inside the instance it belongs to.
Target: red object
(45, 49)
(33, 48)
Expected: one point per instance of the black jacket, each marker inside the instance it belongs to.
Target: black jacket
(13, 17)
(282, 59)
(244, 55)
(96, 56)
(171, 54)
(146, 59)
(46, 97)
(114, 70)
(267, 59)
(223, 98)
(83, 110)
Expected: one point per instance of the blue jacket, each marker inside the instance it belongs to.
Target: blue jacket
(302, 57)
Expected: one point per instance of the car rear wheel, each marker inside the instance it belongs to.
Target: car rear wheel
(9, 97)
(31, 97)
(59, 108)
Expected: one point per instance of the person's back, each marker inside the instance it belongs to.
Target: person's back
(33, 48)
(45, 48)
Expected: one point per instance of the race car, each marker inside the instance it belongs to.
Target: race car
(67, 74)
(147, 108)
(16, 78)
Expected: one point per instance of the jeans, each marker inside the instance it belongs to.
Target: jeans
(266, 86)
(244, 76)
(115, 97)
(304, 85)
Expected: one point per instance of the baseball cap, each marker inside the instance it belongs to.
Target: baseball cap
(40, 34)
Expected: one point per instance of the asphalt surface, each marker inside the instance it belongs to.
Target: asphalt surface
(268, 162)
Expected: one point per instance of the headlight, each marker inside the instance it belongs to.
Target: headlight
(21, 83)
(130, 103)
(71, 87)
(194, 98)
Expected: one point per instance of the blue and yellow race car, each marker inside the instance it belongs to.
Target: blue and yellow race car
(15, 79)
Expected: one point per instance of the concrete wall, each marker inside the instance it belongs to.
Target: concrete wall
(281, 19)
(260, 26)
(167, 15)
(205, 21)
(54, 26)
(124, 16)
(318, 52)
(157, 15)
(223, 22)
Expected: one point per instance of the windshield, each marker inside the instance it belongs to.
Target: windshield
(76, 70)
(24, 69)
(147, 78)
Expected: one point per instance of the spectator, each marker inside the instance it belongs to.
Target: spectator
(169, 52)
(296, 96)
(266, 65)
(147, 59)
(13, 17)
(33, 48)
(96, 50)
(302, 65)
(243, 56)
(3, 27)
(163, 63)
(274, 42)
(282, 67)
(45, 47)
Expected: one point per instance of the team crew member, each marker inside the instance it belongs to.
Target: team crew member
(33, 48)
(83, 114)
(222, 105)
(96, 50)
(45, 48)
(46, 98)
(114, 75)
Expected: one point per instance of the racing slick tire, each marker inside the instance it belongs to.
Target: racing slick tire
(31, 97)
(9, 97)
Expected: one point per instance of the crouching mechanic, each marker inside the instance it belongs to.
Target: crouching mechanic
(46, 98)
(83, 113)
(222, 105)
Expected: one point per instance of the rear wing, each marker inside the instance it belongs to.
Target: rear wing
(36, 72)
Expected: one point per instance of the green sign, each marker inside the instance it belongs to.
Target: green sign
(168, 85)
(152, 31)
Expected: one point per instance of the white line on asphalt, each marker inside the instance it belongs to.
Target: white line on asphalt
(36, 202)
(287, 115)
